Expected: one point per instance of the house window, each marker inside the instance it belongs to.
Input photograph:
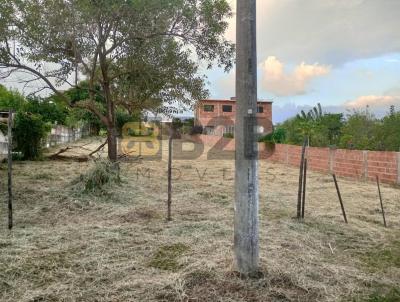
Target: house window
(209, 130)
(208, 108)
(229, 129)
(260, 109)
(226, 108)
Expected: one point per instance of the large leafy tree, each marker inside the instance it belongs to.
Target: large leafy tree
(323, 129)
(136, 50)
(360, 131)
(388, 135)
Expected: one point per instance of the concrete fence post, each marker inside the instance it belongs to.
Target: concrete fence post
(365, 165)
(331, 160)
(398, 168)
(287, 155)
(246, 225)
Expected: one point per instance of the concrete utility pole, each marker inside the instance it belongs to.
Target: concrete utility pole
(246, 175)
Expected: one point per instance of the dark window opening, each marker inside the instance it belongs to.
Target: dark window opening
(260, 109)
(209, 130)
(208, 108)
(226, 108)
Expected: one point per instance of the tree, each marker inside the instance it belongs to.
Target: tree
(10, 99)
(50, 111)
(134, 50)
(360, 131)
(327, 130)
(388, 133)
(314, 114)
(323, 129)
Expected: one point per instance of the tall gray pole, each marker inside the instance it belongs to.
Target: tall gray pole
(9, 161)
(246, 175)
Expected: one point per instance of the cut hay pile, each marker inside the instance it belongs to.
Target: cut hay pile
(99, 178)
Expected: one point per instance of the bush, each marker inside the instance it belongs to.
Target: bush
(278, 136)
(29, 131)
(196, 130)
(228, 135)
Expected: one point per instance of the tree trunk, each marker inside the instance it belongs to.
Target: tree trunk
(112, 143)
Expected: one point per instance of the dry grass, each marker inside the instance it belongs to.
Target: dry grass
(68, 246)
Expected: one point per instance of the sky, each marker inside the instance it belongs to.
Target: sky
(344, 54)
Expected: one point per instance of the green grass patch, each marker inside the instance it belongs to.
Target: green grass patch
(167, 256)
(391, 295)
(42, 176)
(382, 257)
(221, 199)
(199, 228)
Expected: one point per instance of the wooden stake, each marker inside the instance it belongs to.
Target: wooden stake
(305, 180)
(380, 198)
(10, 196)
(169, 216)
(340, 198)
(301, 174)
(304, 189)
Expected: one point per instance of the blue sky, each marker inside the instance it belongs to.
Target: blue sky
(344, 54)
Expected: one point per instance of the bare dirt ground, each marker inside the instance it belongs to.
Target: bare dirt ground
(116, 246)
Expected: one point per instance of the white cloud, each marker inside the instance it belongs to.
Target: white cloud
(329, 31)
(277, 81)
(225, 86)
(374, 101)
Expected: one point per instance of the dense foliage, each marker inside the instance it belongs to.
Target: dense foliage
(359, 129)
(31, 123)
(28, 133)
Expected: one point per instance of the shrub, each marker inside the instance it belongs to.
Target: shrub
(278, 136)
(196, 130)
(188, 126)
(167, 256)
(29, 131)
(177, 123)
(101, 174)
(228, 135)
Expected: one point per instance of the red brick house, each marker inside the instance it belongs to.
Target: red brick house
(217, 117)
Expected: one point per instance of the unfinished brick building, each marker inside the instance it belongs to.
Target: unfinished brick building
(217, 117)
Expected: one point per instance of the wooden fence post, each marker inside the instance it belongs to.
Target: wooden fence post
(340, 198)
(303, 204)
(301, 174)
(380, 198)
